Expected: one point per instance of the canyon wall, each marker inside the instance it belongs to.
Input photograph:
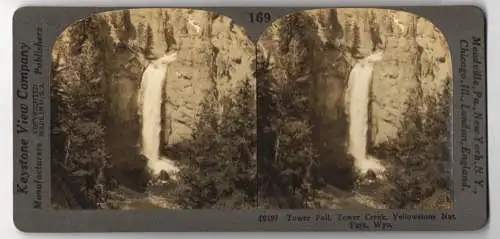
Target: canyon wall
(416, 63)
(214, 57)
(317, 49)
(309, 55)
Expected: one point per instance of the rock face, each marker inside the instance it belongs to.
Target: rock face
(416, 64)
(314, 51)
(214, 56)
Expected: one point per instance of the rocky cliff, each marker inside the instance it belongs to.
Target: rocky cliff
(313, 52)
(214, 57)
(305, 62)
(416, 62)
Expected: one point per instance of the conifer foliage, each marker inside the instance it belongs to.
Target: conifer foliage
(287, 152)
(420, 158)
(220, 168)
(77, 117)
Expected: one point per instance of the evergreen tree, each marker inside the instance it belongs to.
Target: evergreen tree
(77, 117)
(420, 158)
(374, 31)
(287, 150)
(220, 169)
(356, 42)
(148, 51)
(168, 31)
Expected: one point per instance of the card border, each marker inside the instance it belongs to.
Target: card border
(472, 210)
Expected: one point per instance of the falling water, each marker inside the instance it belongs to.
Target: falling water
(359, 93)
(152, 85)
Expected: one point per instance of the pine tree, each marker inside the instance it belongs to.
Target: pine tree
(287, 150)
(149, 42)
(374, 31)
(356, 42)
(168, 31)
(220, 170)
(420, 166)
(78, 114)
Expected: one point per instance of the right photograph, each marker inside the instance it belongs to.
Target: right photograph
(354, 111)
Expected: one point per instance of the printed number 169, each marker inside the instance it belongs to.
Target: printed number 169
(260, 17)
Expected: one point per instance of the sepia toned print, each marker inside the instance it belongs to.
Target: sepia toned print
(354, 111)
(177, 109)
(153, 108)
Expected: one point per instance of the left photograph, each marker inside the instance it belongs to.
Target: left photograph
(153, 108)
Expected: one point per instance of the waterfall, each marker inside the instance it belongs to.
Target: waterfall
(150, 98)
(358, 97)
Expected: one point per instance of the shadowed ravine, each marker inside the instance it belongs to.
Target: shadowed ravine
(306, 120)
(160, 196)
(330, 197)
(357, 104)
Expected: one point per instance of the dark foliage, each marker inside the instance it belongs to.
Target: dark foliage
(420, 159)
(79, 151)
(219, 171)
(356, 42)
(84, 121)
(285, 137)
(219, 167)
